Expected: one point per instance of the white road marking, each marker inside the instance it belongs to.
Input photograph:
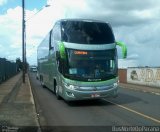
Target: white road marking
(133, 111)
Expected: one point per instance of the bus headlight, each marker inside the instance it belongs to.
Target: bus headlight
(71, 87)
(115, 85)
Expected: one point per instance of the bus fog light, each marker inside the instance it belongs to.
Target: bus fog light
(70, 94)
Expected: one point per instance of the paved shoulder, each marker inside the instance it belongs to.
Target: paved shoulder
(17, 106)
(152, 90)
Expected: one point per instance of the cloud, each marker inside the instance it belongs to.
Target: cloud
(134, 22)
(143, 40)
(10, 26)
(2, 2)
(127, 63)
(37, 26)
(116, 12)
(11, 33)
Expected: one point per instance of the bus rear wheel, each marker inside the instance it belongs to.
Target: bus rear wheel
(41, 81)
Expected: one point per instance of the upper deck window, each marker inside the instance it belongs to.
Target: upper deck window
(84, 32)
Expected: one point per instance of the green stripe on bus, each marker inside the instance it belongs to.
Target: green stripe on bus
(62, 50)
(88, 83)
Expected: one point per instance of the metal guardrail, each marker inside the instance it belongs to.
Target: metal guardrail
(7, 69)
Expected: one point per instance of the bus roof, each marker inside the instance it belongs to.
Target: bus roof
(84, 20)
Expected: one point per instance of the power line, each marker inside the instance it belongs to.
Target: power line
(36, 13)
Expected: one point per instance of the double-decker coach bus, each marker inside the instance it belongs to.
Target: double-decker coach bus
(78, 60)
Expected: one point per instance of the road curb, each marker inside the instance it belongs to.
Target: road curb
(33, 99)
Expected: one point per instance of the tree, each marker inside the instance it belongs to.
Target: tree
(19, 64)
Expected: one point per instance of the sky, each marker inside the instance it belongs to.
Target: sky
(134, 22)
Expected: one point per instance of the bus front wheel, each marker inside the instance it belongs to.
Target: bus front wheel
(56, 92)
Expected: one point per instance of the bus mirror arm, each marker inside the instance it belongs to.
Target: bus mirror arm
(51, 48)
(60, 66)
(124, 49)
(59, 61)
(57, 55)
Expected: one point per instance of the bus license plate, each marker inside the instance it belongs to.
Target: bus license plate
(95, 95)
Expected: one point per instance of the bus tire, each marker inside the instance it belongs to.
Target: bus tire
(56, 92)
(41, 81)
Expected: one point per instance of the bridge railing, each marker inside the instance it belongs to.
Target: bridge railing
(7, 69)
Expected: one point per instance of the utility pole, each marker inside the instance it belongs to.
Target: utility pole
(23, 39)
(24, 69)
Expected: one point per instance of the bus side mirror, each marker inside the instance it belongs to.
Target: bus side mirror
(124, 49)
(62, 51)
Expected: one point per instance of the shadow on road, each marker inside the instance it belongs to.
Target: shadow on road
(125, 99)
(121, 99)
(86, 103)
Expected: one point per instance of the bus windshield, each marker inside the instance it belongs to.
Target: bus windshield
(83, 32)
(91, 65)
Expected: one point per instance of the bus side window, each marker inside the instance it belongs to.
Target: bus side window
(56, 35)
(57, 32)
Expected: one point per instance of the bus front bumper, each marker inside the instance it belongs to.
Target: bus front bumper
(71, 95)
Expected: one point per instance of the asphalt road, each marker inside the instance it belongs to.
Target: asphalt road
(130, 108)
